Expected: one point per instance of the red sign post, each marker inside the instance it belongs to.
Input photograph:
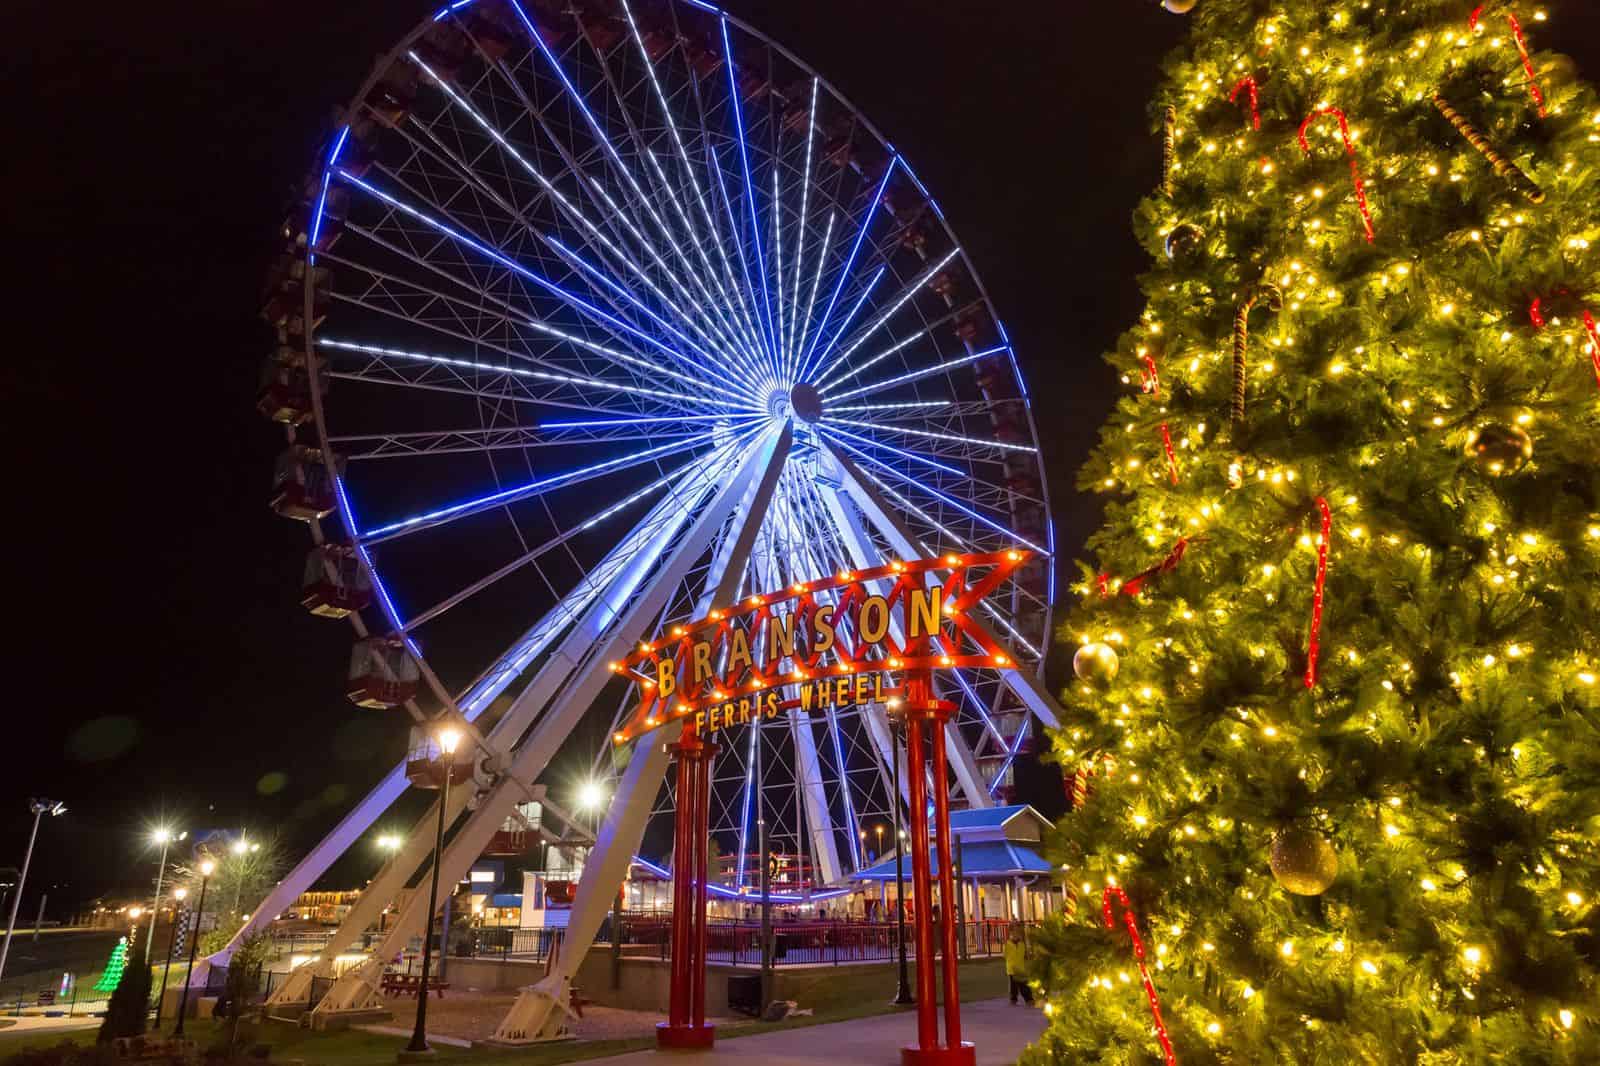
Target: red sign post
(822, 643)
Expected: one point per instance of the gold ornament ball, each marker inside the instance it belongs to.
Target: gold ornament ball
(1096, 664)
(1303, 861)
(1179, 7)
(1500, 448)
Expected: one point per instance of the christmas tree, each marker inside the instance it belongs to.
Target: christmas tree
(1334, 735)
(114, 966)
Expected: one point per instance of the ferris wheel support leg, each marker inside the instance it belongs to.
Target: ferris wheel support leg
(539, 1012)
(355, 990)
(1027, 687)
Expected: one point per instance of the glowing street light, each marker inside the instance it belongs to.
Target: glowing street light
(39, 808)
(164, 836)
(591, 796)
(172, 939)
(448, 739)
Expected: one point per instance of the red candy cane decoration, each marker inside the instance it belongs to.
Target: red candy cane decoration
(1355, 165)
(1112, 892)
(1249, 82)
(1172, 457)
(1314, 641)
(1590, 327)
(1527, 60)
(1149, 379)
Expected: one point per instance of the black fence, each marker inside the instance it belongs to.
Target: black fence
(794, 943)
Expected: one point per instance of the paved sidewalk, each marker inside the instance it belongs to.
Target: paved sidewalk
(999, 1030)
(35, 1023)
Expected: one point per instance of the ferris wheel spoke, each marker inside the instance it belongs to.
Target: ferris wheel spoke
(811, 299)
(826, 382)
(614, 325)
(916, 375)
(716, 464)
(915, 457)
(573, 380)
(749, 186)
(844, 271)
(900, 300)
(689, 171)
(643, 150)
(454, 512)
(975, 442)
(604, 141)
(453, 442)
(796, 338)
(942, 497)
(611, 211)
(592, 233)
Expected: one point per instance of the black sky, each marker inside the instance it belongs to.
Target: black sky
(159, 660)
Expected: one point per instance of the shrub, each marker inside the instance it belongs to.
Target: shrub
(129, 1007)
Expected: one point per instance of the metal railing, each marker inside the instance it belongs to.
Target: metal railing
(738, 941)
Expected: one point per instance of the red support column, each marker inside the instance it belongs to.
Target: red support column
(685, 1025)
(925, 719)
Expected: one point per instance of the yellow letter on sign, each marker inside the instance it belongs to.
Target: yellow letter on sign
(666, 677)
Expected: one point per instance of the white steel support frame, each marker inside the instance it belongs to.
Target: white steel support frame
(357, 989)
(540, 1011)
(631, 560)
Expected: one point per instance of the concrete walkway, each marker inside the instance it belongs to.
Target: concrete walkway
(35, 1023)
(999, 1030)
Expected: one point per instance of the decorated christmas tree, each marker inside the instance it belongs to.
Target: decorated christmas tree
(1334, 739)
(112, 977)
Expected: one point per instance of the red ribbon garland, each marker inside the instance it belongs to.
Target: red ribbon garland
(1355, 165)
(1536, 313)
(1249, 82)
(1527, 60)
(1132, 586)
(1314, 642)
(1132, 924)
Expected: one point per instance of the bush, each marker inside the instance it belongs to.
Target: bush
(129, 1008)
(65, 1053)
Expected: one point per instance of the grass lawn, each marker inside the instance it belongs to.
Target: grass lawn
(835, 994)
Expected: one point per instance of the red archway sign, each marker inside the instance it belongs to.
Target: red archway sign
(818, 644)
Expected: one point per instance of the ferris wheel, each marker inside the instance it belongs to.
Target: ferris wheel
(596, 316)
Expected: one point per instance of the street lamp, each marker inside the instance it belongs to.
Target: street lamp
(448, 739)
(164, 837)
(172, 939)
(40, 807)
(207, 868)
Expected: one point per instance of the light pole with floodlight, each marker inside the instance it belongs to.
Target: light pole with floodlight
(172, 940)
(40, 807)
(164, 837)
(448, 739)
(206, 869)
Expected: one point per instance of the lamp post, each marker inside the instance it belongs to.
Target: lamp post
(164, 837)
(206, 869)
(389, 843)
(172, 940)
(40, 807)
(902, 992)
(448, 739)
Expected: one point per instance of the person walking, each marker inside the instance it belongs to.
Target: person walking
(1016, 955)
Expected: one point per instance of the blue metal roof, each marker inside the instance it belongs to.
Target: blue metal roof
(505, 899)
(989, 858)
(985, 817)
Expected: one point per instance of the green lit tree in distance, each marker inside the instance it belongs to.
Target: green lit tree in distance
(112, 977)
(1335, 729)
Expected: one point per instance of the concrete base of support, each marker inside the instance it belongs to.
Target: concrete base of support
(684, 1037)
(963, 1054)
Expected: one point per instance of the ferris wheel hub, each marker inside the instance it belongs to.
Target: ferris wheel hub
(802, 401)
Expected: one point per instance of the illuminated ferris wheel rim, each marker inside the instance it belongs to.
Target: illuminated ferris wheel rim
(771, 394)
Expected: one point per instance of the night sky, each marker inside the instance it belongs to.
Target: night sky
(164, 666)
